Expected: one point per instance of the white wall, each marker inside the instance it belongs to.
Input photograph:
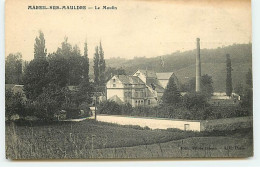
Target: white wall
(117, 90)
(150, 122)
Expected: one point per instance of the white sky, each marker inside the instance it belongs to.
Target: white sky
(136, 28)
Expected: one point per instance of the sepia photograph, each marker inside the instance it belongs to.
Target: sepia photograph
(138, 79)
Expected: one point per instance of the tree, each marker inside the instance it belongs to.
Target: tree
(206, 85)
(35, 78)
(249, 81)
(13, 69)
(171, 94)
(229, 87)
(66, 49)
(86, 62)
(238, 89)
(111, 71)
(39, 47)
(58, 73)
(96, 67)
(74, 61)
(102, 66)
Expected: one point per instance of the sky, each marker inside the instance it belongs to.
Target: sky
(137, 28)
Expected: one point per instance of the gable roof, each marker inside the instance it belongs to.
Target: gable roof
(164, 76)
(116, 99)
(147, 73)
(130, 79)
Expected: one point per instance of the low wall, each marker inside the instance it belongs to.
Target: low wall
(227, 123)
(193, 125)
(153, 123)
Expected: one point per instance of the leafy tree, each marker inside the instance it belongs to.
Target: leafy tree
(247, 98)
(35, 78)
(14, 104)
(171, 94)
(74, 61)
(206, 85)
(58, 73)
(39, 47)
(13, 69)
(249, 81)
(96, 67)
(195, 101)
(66, 49)
(239, 89)
(229, 87)
(102, 66)
(86, 62)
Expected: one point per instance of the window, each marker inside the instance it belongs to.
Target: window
(114, 85)
(114, 80)
(149, 102)
(129, 94)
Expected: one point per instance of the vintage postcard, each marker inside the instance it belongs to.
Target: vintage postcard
(115, 79)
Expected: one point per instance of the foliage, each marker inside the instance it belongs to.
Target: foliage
(109, 107)
(102, 66)
(195, 101)
(229, 87)
(13, 69)
(35, 78)
(110, 72)
(206, 85)
(58, 73)
(14, 104)
(171, 94)
(85, 64)
(183, 63)
(249, 78)
(39, 47)
(96, 67)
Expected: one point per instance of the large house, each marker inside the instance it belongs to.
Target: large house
(142, 88)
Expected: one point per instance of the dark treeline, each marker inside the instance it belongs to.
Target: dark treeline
(57, 81)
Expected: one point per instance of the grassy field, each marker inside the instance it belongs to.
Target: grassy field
(90, 139)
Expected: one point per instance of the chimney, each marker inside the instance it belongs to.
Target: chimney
(198, 66)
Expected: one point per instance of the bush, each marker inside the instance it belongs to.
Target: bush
(109, 107)
(14, 104)
(195, 101)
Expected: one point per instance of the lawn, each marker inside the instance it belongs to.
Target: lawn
(90, 139)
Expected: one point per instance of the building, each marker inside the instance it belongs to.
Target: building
(142, 88)
(129, 89)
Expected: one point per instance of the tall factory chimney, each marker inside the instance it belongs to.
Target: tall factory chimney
(198, 66)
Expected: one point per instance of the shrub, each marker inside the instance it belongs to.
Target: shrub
(109, 107)
(195, 101)
(14, 104)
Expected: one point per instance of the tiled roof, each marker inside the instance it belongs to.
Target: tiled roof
(130, 79)
(154, 83)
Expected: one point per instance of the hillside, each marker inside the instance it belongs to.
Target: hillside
(183, 64)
